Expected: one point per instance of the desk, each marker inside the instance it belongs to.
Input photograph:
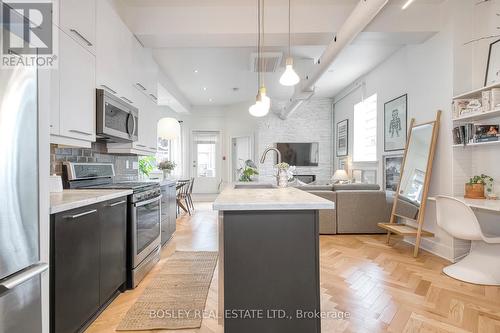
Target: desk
(491, 205)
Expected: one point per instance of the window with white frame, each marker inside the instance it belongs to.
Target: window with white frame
(365, 130)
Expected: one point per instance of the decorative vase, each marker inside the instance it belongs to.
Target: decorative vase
(282, 178)
(474, 191)
(166, 173)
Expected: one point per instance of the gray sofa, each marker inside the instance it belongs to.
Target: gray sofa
(358, 208)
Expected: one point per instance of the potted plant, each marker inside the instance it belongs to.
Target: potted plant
(146, 165)
(477, 186)
(167, 167)
(248, 171)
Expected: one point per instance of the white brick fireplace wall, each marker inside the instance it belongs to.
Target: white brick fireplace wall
(312, 122)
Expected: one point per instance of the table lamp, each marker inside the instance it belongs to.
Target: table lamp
(340, 176)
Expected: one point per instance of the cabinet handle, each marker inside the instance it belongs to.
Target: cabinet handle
(81, 214)
(21, 277)
(80, 132)
(152, 148)
(153, 97)
(127, 100)
(108, 88)
(143, 146)
(76, 32)
(117, 203)
(140, 86)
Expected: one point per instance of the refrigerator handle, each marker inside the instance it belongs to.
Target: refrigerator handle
(21, 277)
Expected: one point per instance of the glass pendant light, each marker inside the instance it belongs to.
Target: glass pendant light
(289, 77)
(262, 101)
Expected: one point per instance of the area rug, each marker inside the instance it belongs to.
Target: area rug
(176, 297)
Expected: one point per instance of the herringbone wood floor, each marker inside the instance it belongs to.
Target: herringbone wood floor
(383, 288)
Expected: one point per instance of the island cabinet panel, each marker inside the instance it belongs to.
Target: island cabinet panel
(271, 264)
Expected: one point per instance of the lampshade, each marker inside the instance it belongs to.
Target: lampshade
(340, 175)
(169, 128)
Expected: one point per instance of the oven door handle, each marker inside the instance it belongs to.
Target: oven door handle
(143, 203)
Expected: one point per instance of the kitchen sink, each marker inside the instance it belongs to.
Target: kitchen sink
(253, 186)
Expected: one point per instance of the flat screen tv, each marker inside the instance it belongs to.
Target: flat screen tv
(299, 154)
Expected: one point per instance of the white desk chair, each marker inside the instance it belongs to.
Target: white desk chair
(482, 264)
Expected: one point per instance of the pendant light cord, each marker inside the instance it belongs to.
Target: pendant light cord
(263, 43)
(258, 45)
(289, 28)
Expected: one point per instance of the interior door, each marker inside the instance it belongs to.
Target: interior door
(241, 151)
(206, 161)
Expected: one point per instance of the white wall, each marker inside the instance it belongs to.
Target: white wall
(425, 73)
(312, 122)
(231, 121)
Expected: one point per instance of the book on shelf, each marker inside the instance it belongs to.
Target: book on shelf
(472, 133)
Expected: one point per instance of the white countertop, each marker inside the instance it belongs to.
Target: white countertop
(70, 199)
(492, 205)
(269, 199)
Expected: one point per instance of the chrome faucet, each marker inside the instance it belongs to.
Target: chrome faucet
(263, 158)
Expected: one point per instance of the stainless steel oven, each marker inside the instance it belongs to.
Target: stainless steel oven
(144, 233)
(116, 120)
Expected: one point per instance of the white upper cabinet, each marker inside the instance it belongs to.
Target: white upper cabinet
(113, 52)
(144, 70)
(78, 19)
(76, 90)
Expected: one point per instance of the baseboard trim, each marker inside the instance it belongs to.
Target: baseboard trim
(439, 249)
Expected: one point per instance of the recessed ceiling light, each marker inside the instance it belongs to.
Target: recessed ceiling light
(204, 88)
(195, 71)
(407, 4)
(210, 100)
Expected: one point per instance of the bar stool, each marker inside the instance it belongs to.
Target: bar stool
(482, 264)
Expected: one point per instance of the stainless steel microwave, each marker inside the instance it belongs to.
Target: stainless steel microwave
(116, 120)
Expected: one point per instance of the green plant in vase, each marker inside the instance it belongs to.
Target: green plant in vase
(478, 186)
(247, 171)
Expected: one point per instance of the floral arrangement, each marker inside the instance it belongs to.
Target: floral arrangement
(167, 165)
(283, 166)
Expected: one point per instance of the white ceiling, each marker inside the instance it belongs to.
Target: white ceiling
(217, 37)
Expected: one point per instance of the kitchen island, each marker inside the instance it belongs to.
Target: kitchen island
(269, 259)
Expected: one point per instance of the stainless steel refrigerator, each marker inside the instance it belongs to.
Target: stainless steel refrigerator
(20, 266)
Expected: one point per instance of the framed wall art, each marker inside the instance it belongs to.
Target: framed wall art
(392, 172)
(493, 66)
(342, 138)
(395, 123)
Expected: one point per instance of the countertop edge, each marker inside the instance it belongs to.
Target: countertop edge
(58, 208)
(261, 207)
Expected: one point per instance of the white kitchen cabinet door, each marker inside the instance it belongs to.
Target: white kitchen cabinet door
(78, 19)
(76, 90)
(144, 70)
(113, 52)
(147, 126)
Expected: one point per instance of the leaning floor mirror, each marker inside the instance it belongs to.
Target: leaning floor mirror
(410, 199)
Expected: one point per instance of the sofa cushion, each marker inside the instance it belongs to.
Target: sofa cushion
(356, 187)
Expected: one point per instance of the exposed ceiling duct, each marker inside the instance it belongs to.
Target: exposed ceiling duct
(364, 12)
(270, 61)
